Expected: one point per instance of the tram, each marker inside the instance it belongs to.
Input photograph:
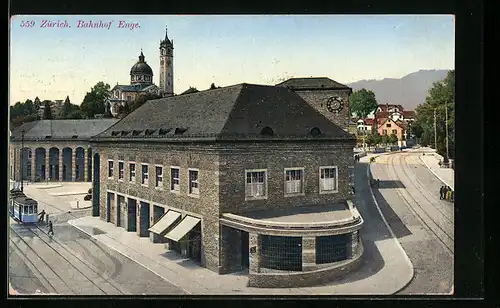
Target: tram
(22, 208)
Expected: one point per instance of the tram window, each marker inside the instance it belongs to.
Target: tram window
(25, 210)
(35, 210)
(30, 209)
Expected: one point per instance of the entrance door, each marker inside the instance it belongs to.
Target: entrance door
(64, 175)
(118, 210)
(132, 215)
(108, 208)
(144, 219)
(112, 206)
(245, 263)
(158, 212)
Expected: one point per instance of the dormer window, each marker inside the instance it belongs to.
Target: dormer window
(267, 131)
(149, 132)
(136, 132)
(115, 133)
(163, 131)
(315, 132)
(180, 131)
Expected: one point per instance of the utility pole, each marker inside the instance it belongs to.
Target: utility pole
(435, 131)
(446, 114)
(22, 160)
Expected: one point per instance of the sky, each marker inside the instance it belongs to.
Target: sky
(53, 62)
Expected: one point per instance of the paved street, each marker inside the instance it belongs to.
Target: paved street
(72, 263)
(424, 225)
(100, 259)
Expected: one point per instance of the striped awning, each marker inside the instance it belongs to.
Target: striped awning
(186, 225)
(165, 222)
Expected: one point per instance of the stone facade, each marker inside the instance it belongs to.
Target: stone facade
(221, 184)
(206, 206)
(318, 99)
(44, 147)
(274, 158)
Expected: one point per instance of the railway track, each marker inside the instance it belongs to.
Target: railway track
(421, 187)
(65, 264)
(426, 217)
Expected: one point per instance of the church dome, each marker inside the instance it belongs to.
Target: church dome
(141, 67)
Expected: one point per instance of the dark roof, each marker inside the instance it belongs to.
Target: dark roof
(138, 87)
(141, 67)
(312, 83)
(62, 129)
(190, 90)
(238, 112)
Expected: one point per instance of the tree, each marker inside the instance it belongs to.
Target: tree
(441, 96)
(393, 139)
(377, 139)
(47, 112)
(362, 103)
(384, 139)
(369, 140)
(76, 114)
(66, 109)
(141, 99)
(94, 101)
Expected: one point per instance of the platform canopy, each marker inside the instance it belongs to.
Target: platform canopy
(165, 221)
(186, 225)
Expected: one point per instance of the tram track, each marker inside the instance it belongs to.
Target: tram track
(428, 193)
(424, 216)
(76, 266)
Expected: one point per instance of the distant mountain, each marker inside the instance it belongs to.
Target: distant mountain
(409, 91)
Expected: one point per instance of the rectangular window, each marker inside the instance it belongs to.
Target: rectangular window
(174, 179)
(384, 132)
(256, 184)
(110, 168)
(129, 98)
(30, 154)
(193, 182)
(145, 175)
(132, 172)
(394, 131)
(328, 180)
(388, 125)
(159, 176)
(121, 174)
(294, 181)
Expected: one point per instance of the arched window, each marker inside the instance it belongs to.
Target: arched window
(315, 132)
(267, 131)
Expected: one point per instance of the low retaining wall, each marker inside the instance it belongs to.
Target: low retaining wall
(308, 278)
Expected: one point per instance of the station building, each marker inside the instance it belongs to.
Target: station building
(244, 177)
(55, 150)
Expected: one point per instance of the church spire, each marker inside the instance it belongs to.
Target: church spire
(141, 57)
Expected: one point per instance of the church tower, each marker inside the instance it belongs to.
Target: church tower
(167, 66)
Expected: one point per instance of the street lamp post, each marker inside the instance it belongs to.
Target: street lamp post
(22, 159)
(446, 115)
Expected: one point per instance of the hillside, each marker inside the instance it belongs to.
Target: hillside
(408, 91)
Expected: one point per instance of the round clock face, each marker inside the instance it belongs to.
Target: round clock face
(334, 104)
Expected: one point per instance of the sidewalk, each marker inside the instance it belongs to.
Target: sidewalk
(198, 280)
(445, 175)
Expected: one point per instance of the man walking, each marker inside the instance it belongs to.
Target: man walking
(51, 228)
(42, 215)
(441, 190)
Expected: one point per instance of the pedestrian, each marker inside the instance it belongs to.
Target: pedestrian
(445, 191)
(441, 192)
(51, 228)
(448, 194)
(42, 215)
(353, 190)
(378, 183)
